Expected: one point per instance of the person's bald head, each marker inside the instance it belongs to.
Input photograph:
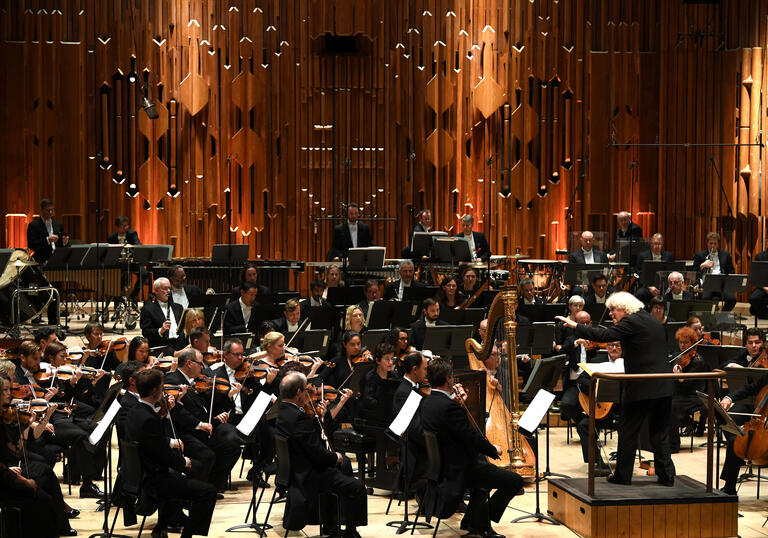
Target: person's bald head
(587, 238)
(582, 316)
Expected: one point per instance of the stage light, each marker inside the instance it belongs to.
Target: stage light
(173, 192)
(543, 191)
(505, 192)
(132, 191)
(132, 77)
(119, 177)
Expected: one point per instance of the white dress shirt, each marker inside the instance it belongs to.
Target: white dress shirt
(574, 374)
(180, 296)
(49, 228)
(401, 289)
(168, 311)
(238, 401)
(353, 233)
(246, 311)
(589, 256)
(471, 240)
(656, 257)
(716, 259)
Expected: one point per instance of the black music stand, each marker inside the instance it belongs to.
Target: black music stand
(404, 313)
(316, 342)
(353, 380)
(671, 327)
(366, 258)
(486, 298)
(100, 256)
(323, 317)
(738, 377)
(724, 283)
(423, 244)
(142, 256)
(627, 249)
(373, 337)
(542, 312)
(345, 295)
(451, 250)
(448, 342)
(380, 314)
(597, 312)
(715, 356)
(650, 269)
(418, 294)
(581, 274)
(535, 339)
(229, 255)
(681, 310)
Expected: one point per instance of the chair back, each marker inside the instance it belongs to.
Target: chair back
(283, 476)
(130, 468)
(432, 471)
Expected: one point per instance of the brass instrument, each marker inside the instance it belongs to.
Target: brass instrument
(504, 431)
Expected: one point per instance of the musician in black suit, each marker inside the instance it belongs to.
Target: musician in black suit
(714, 261)
(527, 292)
(643, 341)
(350, 234)
(424, 225)
(123, 235)
(655, 253)
(315, 299)
(250, 273)
(44, 234)
(291, 319)
(181, 292)
(461, 446)
(159, 319)
(163, 462)
(395, 290)
(239, 316)
(413, 368)
(315, 469)
(372, 294)
(627, 230)
(430, 318)
(675, 290)
(758, 299)
(598, 292)
(478, 244)
(194, 419)
(587, 253)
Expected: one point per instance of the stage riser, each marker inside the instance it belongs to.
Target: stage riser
(644, 520)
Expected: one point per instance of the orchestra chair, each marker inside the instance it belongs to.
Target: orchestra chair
(351, 441)
(66, 471)
(5, 511)
(432, 474)
(131, 479)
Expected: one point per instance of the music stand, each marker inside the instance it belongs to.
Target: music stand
(404, 313)
(373, 337)
(226, 254)
(486, 298)
(323, 317)
(671, 327)
(422, 244)
(366, 258)
(316, 342)
(345, 295)
(418, 294)
(650, 269)
(758, 274)
(380, 314)
(438, 340)
(627, 249)
(724, 283)
(581, 274)
(59, 260)
(451, 250)
(723, 419)
(535, 339)
(353, 380)
(681, 310)
(542, 312)
(596, 312)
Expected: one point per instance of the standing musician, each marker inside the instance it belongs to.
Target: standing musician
(528, 292)
(643, 341)
(123, 235)
(430, 318)
(314, 468)
(250, 273)
(197, 425)
(685, 402)
(424, 224)
(714, 261)
(44, 235)
(350, 234)
(164, 463)
(627, 229)
(461, 446)
(396, 289)
(478, 244)
(159, 319)
(587, 253)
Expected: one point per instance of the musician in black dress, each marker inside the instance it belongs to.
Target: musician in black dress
(685, 402)
(373, 381)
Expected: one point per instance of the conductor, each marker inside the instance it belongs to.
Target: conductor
(643, 340)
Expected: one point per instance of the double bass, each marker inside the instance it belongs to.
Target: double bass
(501, 428)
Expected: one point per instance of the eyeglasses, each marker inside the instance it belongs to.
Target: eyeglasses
(236, 354)
(199, 363)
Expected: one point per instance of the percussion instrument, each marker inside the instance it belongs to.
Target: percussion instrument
(23, 274)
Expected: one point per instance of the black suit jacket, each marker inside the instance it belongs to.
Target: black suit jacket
(634, 231)
(145, 427)
(726, 263)
(687, 295)
(190, 410)
(281, 324)
(647, 255)
(131, 238)
(482, 248)
(762, 257)
(37, 239)
(234, 321)
(644, 343)
(152, 318)
(127, 402)
(419, 331)
(590, 297)
(577, 256)
(342, 239)
(391, 291)
(263, 295)
(460, 447)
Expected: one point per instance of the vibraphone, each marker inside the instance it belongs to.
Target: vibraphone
(89, 278)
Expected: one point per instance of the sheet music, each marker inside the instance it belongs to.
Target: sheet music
(405, 416)
(536, 411)
(105, 423)
(615, 367)
(252, 417)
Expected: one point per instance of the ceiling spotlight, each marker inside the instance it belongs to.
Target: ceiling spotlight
(505, 192)
(543, 191)
(104, 162)
(119, 177)
(132, 191)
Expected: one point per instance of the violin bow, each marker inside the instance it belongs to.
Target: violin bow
(298, 330)
(676, 357)
(104, 360)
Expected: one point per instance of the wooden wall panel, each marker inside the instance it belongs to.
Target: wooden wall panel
(507, 110)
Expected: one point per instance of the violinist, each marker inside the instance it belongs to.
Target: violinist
(354, 319)
(372, 383)
(99, 355)
(685, 402)
(44, 336)
(316, 469)
(28, 482)
(195, 423)
(344, 362)
(398, 339)
(414, 370)
(430, 318)
(273, 343)
(164, 461)
(448, 295)
(753, 347)
(461, 446)
(159, 319)
(200, 339)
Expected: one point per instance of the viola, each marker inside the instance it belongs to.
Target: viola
(22, 392)
(164, 363)
(317, 394)
(710, 340)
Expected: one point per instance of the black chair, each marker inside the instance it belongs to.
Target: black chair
(131, 478)
(5, 510)
(432, 474)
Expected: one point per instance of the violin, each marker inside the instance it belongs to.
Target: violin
(16, 415)
(318, 394)
(247, 370)
(172, 390)
(710, 340)
(212, 356)
(22, 392)
(424, 388)
(762, 359)
(590, 345)
(116, 345)
(364, 356)
(204, 383)
(164, 363)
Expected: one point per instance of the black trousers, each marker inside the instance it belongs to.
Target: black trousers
(758, 303)
(172, 489)
(85, 459)
(225, 444)
(683, 405)
(202, 457)
(570, 408)
(658, 412)
(353, 500)
(49, 489)
(481, 478)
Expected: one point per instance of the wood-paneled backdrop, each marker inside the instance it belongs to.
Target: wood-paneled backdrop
(501, 108)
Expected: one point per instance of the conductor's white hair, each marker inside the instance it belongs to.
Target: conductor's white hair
(624, 301)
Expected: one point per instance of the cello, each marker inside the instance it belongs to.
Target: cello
(501, 427)
(753, 445)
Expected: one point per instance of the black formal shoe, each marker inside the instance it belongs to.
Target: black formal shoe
(728, 491)
(490, 533)
(669, 483)
(351, 533)
(68, 532)
(331, 532)
(73, 513)
(175, 529)
(219, 496)
(159, 532)
(602, 470)
(613, 479)
(90, 491)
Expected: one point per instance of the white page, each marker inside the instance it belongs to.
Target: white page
(105, 423)
(404, 417)
(252, 417)
(536, 410)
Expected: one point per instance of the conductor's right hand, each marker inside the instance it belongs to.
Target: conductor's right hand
(726, 403)
(498, 450)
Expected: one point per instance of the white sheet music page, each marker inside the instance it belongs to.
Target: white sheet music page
(404, 417)
(536, 410)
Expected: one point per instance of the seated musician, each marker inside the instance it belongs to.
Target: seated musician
(626, 230)
(315, 469)
(397, 337)
(598, 292)
(478, 244)
(27, 482)
(655, 253)
(101, 356)
(332, 278)
(753, 348)
(159, 319)
(714, 261)
(123, 235)
(396, 289)
(469, 282)
(239, 316)
(197, 425)
(676, 290)
(291, 319)
(44, 336)
(684, 401)
(371, 385)
(372, 294)
(448, 294)
(350, 234)
(413, 369)
(587, 253)
(576, 381)
(316, 297)
(732, 463)
(351, 353)
(164, 462)
(658, 309)
(461, 446)
(527, 292)
(130, 394)
(191, 319)
(67, 431)
(575, 305)
(758, 299)
(181, 292)
(200, 339)
(273, 348)
(250, 273)
(430, 318)
(423, 225)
